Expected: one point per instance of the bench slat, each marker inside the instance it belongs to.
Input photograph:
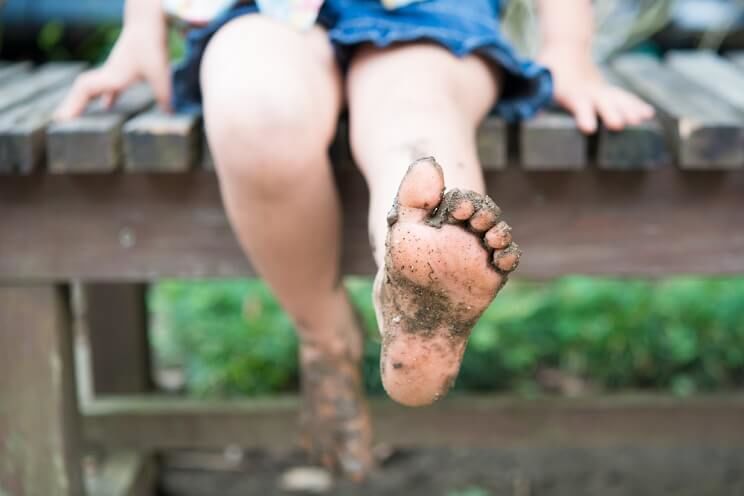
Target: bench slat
(11, 71)
(736, 58)
(492, 144)
(50, 75)
(641, 146)
(207, 160)
(22, 132)
(706, 132)
(552, 141)
(136, 227)
(154, 141)
(711, 72)
(92, 143)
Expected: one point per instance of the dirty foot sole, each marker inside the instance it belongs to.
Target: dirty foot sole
(447, 255)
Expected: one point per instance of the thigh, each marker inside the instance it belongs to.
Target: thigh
(261, 77)
(412, 101)
(417, 88)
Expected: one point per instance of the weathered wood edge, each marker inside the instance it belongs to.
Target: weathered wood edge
(153, 423)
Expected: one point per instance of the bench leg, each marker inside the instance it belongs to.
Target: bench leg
(114, 317)
(40, 450)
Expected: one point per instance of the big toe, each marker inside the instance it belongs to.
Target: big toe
(418, 370)
(423, 185)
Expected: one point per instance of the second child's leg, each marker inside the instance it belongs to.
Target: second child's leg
(441, 259)
(272, 97)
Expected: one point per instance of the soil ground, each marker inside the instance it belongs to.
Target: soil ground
(678, 470)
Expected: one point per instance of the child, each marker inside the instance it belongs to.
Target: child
(417, 77)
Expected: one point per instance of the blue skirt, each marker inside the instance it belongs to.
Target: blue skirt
(462, 27)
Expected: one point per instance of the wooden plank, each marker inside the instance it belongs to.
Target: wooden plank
(207, 161)
(134, 227)
(114, 317)
(48, 76)
(706, 132)
(92, 143)
(11, 71)
(154, 141)
(642, 146)
(157, 423)
(23, 131)
(711, 72)
(552, 141)
(737, 58)
(39, 420)
(492, 144)
(124, 473)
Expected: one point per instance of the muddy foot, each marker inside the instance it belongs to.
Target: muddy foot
(447, 255)
(337, 431)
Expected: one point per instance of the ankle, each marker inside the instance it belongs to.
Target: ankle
(335, 334)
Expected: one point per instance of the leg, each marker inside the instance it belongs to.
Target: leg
(40, 445)
(438, 272)
(271, 102)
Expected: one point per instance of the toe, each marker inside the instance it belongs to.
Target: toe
(422, 186)
(499, 236)
(507, 260)
(459, 205)
(486, 216)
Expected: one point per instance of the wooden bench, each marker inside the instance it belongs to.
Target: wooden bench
(116, 199)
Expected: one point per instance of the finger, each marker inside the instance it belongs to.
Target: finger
(633, 108)
(109, 99)
(160, 81)
(583, 111)
(87, 86)
(608, 111)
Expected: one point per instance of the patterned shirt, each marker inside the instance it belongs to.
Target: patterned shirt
(298, 13)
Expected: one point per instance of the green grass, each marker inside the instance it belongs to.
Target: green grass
(682, 335)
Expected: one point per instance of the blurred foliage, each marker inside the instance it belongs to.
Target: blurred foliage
(95, 46)
(681, 335)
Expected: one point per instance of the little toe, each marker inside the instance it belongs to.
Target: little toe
(507, 260)
(423, 185)
(486, 216)
(499, 236)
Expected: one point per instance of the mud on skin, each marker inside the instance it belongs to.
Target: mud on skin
(447, 256)
(337, 431)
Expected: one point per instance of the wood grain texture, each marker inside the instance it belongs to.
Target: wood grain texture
(706, 132)
(207, 161)
(152, 423)
(551, 141)
(711, 72)
(145, 227)
(11, 71)
(39, 420)
(92, 143)
(642, 146)
(114, 318)
(737, 58)
(154, 141)
(492, 144)
(50, 75)
(124, 473)
(23, 132)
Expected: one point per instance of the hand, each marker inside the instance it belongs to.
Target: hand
(581, 89)
(140, 53)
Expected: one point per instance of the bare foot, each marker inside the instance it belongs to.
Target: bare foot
(447, 255)
(337, 431)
